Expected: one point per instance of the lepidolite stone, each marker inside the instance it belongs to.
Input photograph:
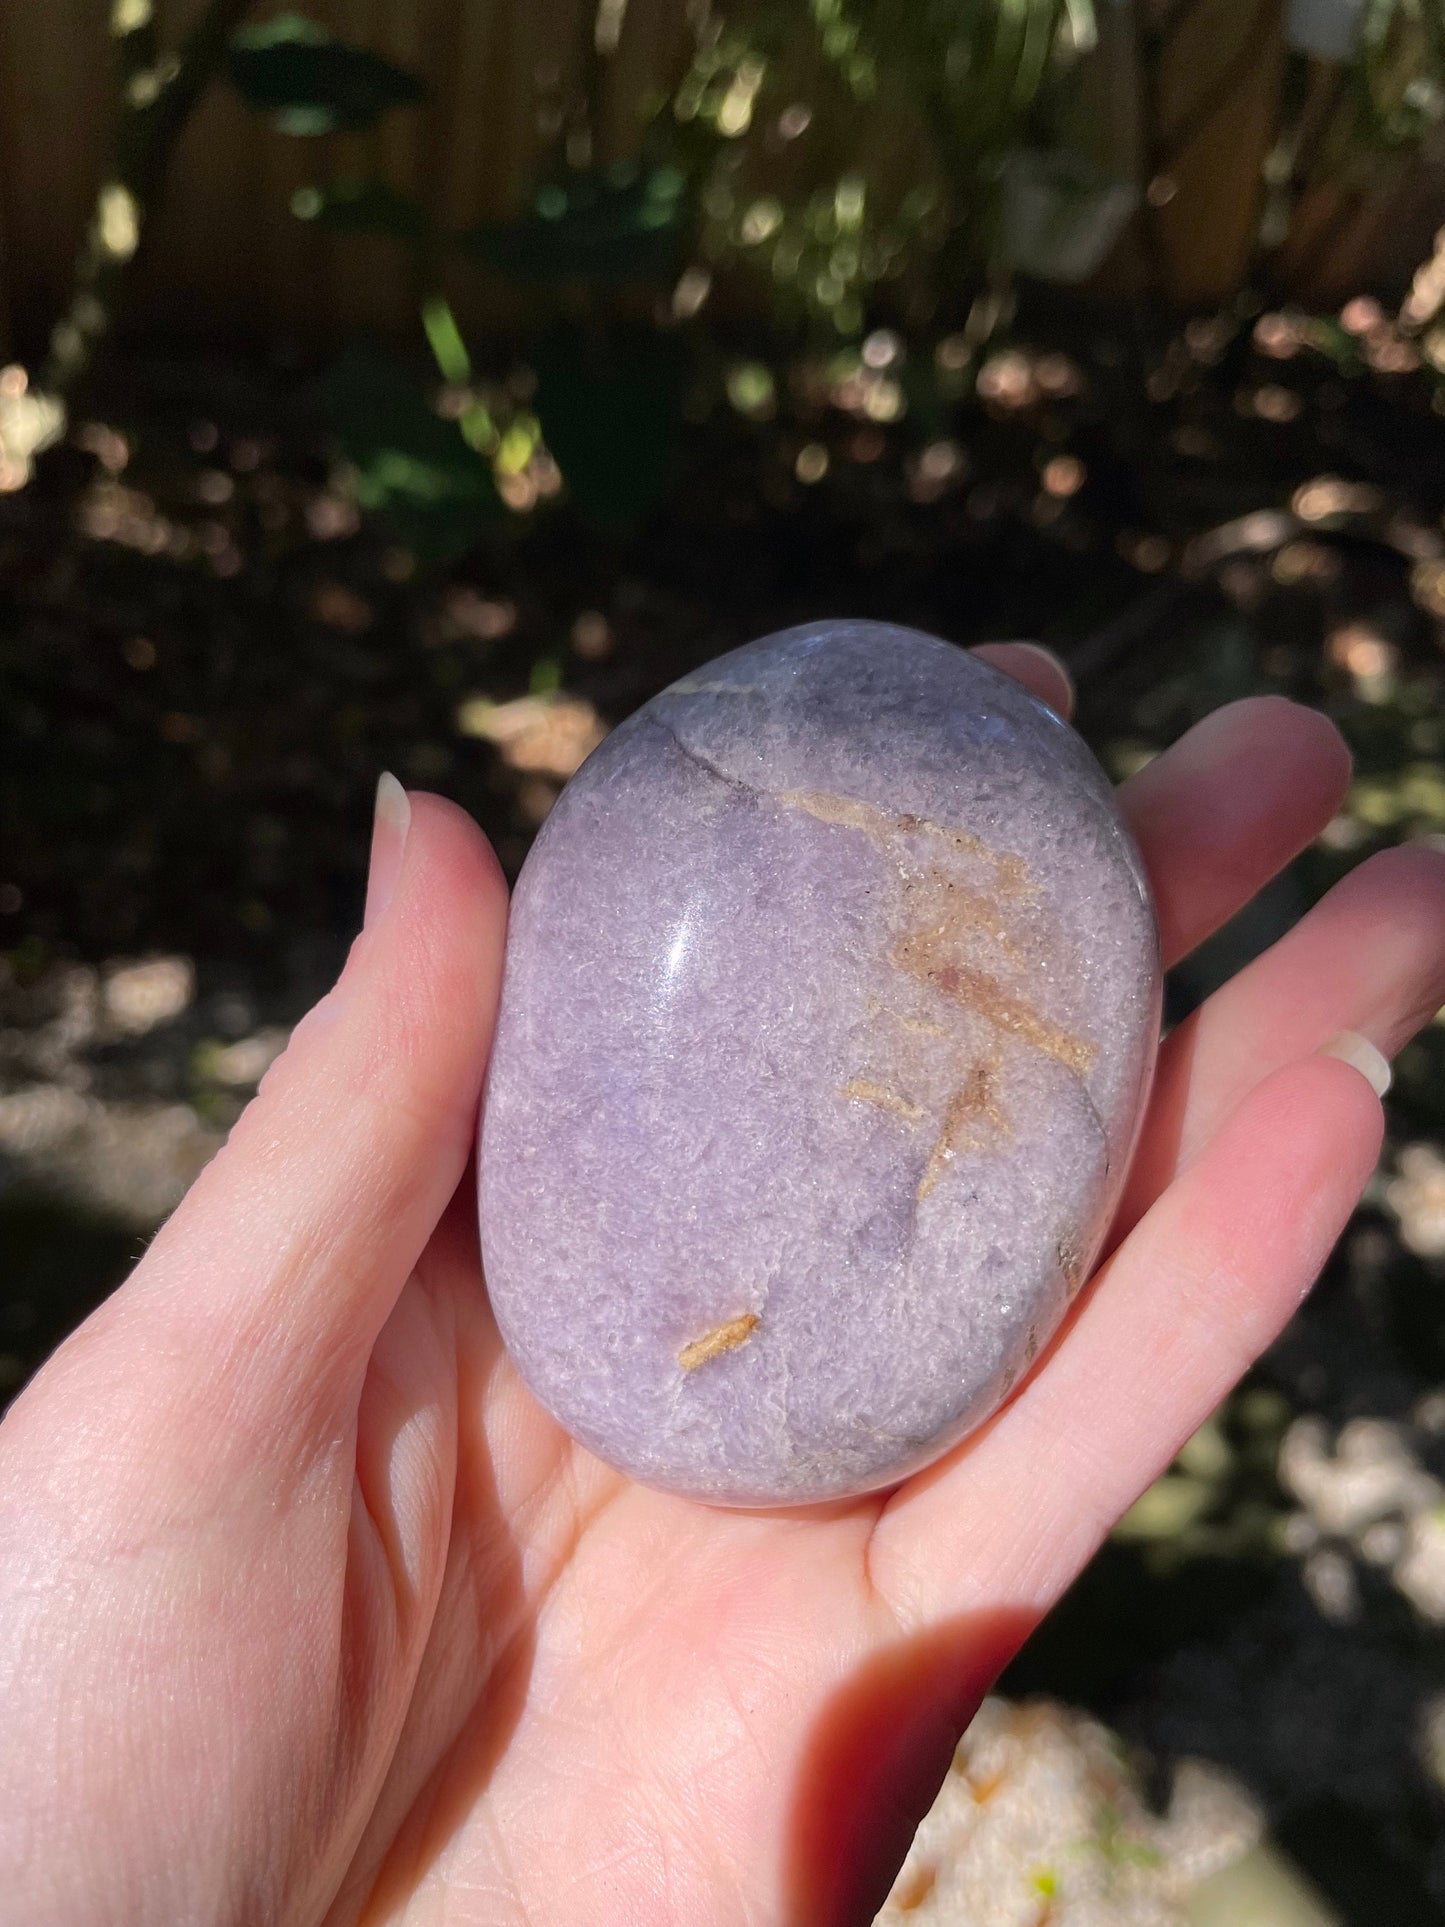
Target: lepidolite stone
(831, 999)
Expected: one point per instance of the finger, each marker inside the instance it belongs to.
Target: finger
(1037, 668)
(1369, 958)
(270, 1284)
(1224, 809)
(1205, 1283)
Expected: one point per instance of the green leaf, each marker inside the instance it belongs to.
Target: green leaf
(624, 224)
(609, 411)
(413, 469)
(444, 338)
(310, 82)
(361, 207)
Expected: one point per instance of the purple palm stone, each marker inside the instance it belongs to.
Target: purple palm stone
(831, 999)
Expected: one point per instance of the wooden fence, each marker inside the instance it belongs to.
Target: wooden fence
(226, 252)
(226, 255)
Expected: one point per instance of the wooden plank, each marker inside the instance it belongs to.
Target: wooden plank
(198, 273)
(654, 48)
(227, 258)
(7, 184)
(1218, 104)
(56, 120)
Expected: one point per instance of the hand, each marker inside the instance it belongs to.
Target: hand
(308, 1612)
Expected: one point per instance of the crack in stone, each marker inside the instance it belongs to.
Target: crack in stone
(706, 764)
(916, 955)
(687, 687)
(829, 807)
(972, 1113)
(920, 954)
(1103, 1129)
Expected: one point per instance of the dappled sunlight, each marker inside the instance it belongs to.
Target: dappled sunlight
(30, 422)
(1415, 1194)
(549, 735)
(1366, 1496)
(66, 1121)
(1041, 1820)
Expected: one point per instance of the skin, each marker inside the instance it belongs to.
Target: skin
(308, 1612)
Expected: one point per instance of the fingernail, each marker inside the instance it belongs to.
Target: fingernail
(390, 824)
(1056, 662)
(998, 655)
(1351, 1048)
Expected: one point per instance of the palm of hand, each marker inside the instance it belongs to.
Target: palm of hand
(394, 1648)
(693, 1711)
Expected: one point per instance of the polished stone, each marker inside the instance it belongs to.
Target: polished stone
(831, 999)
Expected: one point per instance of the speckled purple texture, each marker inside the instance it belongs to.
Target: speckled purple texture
(831, 998)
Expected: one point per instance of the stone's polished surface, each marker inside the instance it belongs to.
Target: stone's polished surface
(831, 999)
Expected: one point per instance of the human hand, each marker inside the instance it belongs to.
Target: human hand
(308, 1611)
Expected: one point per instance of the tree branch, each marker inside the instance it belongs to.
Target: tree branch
(157, 97)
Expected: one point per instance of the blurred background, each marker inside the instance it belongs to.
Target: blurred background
(421, 384)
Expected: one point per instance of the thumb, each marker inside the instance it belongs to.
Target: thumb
(261, 1298)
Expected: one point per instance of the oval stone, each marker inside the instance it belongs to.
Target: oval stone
(830, 1005)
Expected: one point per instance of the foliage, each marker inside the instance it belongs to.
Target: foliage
(609, 409)
(626, 223)
(857, 162)
(361, 206)
(608, 399)
(411, 467)
(310, 82)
